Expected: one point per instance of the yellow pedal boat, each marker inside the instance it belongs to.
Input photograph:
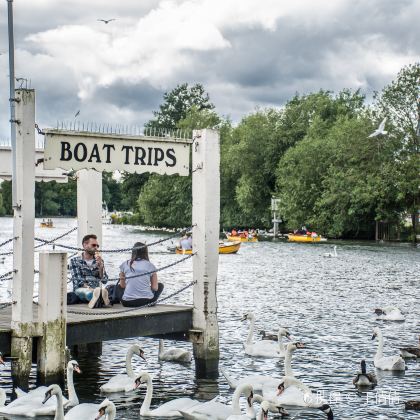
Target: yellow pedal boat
(241, 239)
(231, 248)
(303, 238)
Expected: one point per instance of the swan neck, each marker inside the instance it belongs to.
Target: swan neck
(161, 347)
(251, 331)
(280, 340)
(73, 399)
(379, 352)
(111, 413)
(128, 365)
(2, 397)
(59, 413)
(288, 364)
(236, 409)
(145, 407)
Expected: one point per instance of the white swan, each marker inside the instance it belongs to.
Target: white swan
(168, 409)
(410, 351)
(90, 411)
(214, 410)
(173, 354)
(389, 313)
(31, 404)
(80, 412)
(266, 406)
(385, 363)
(123, 382)
(292, 391)
(263, 348)
(331, 255)
(258, 382)
(107, 408)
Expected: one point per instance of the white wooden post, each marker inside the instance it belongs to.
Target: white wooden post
(23, 230)
(89, 204)
(205, 217)
(52, 312)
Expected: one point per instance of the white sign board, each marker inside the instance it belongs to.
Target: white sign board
(40, 173)
(108, 152)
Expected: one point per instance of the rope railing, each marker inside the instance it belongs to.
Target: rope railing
(102, 313)
(74, 248)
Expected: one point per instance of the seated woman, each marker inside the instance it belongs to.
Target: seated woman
(140, 288)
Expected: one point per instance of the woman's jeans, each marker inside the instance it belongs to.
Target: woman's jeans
(84, 294)
(142, 301)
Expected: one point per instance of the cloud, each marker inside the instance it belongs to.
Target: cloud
(247, 53)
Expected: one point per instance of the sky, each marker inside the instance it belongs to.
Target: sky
(246, 53)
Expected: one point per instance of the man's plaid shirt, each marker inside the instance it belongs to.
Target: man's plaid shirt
(82, 273)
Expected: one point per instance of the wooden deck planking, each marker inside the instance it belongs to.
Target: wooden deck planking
(88, 328)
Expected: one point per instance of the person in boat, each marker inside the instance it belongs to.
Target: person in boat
(87, 272)
(234, 232)
(139, 279)
(186, 242)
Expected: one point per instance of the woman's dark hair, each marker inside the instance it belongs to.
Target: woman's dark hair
(139, 252)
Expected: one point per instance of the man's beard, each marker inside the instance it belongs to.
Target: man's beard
(91, 251)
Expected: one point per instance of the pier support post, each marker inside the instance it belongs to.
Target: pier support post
(52, 315)
(89, 204)
(205, 216)
(23, 230)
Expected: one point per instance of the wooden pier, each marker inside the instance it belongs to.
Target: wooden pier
(46, 329)
(97, 325)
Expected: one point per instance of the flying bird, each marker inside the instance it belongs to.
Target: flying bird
(106, 21)
(77, 114)
(380, 130)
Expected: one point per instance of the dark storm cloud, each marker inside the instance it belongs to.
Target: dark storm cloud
(345, 44)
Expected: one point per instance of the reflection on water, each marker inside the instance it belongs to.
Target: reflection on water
(326, 303)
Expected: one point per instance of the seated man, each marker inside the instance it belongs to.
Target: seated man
(87, 271)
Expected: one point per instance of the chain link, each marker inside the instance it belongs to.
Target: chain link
(74, 248)
(157, 270)
(39, 130)
(45, 242)
(72, 311)
(6, 242)
(5, 304)
(4, 276)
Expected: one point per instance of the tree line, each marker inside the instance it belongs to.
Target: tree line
(314, 154)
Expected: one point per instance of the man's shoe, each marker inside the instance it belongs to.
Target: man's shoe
(95, 297)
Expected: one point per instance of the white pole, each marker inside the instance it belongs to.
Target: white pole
(205, 216)
(52, 312)
(12, 95)
(89, 204)
(23, 231)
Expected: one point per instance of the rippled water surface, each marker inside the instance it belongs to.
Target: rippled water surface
(326, 303)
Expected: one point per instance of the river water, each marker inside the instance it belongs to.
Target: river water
(325, 303)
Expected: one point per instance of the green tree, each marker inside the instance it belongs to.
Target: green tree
(177, 103)
(6, 192)
(167, 200)
(111, 192)
(400, 102)
(2, 209)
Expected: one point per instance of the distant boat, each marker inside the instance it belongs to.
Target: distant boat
(226, 248)
(47, 224)
(304, 238)
(238, 238)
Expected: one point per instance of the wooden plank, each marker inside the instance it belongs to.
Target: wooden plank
(86, 327)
